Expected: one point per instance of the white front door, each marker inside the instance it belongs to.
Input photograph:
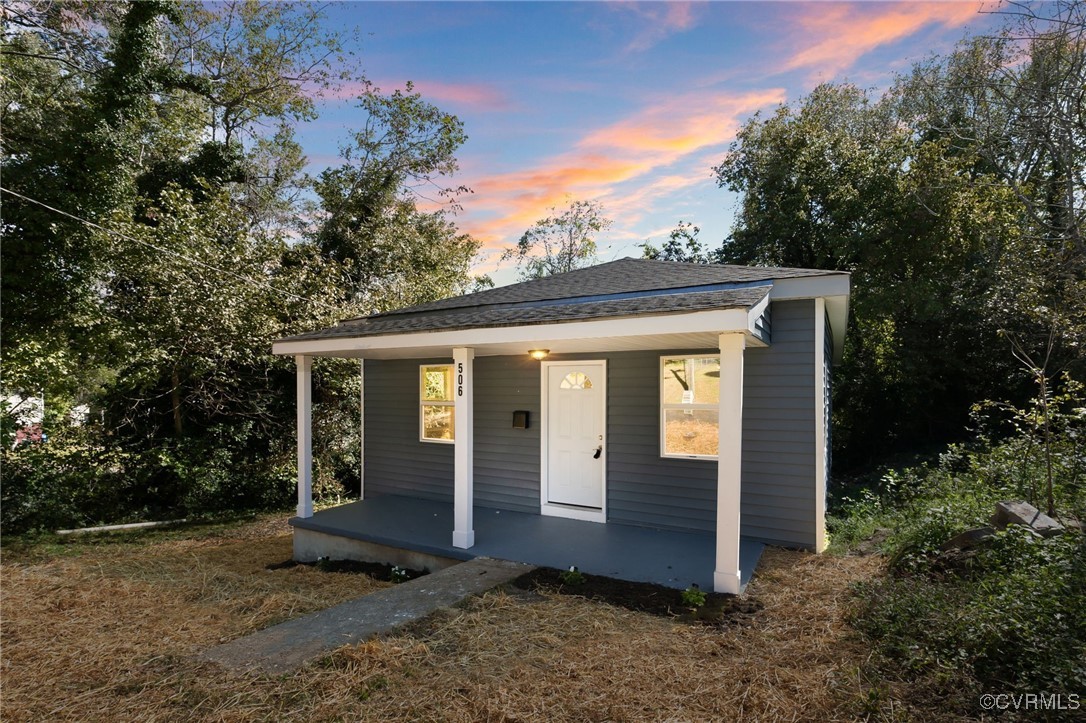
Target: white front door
(574, 444)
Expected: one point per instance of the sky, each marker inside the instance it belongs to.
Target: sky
(625, 103)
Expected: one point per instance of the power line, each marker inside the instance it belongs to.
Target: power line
(170, 252)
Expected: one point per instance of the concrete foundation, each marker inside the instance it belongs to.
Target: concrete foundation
(309, 545)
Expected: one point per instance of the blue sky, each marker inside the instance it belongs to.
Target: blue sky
(629, 104)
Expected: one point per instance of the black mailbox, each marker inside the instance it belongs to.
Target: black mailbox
(520, 419)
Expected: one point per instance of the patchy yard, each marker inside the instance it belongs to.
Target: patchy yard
(96, 631)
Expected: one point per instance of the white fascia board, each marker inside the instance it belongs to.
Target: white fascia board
(714, 320)
(834, 288)
(810, 287)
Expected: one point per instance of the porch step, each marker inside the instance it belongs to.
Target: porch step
(284, 647)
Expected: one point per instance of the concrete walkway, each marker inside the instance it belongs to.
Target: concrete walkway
(284, 647)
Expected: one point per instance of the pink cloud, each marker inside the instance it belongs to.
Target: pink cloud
(638, 149)
(660, 20)
(473, 96)
(831, 37)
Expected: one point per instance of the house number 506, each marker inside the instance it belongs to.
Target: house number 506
(459, 379)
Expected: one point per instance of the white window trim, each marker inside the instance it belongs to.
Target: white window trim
(664, 454)
(427, 403)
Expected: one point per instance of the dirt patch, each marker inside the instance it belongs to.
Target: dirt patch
(645, 597)
(377, 570)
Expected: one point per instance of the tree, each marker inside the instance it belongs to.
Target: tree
(156, 287)
(1016, 101)
(560, 242)
(391, 253)
(683, 245)
(838, 182)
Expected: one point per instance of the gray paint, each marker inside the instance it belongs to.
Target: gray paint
(628, 552)
(642, 487)
(396, 461)
(507, 459)
(778, 502)
(763, 326)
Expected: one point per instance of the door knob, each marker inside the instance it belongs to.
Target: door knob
(599, 451)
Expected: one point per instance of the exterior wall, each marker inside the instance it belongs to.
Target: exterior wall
(827, 391)
(506, 459)
(779, 430)
(396, 461)
(642, 488)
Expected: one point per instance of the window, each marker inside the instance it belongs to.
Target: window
(576, 380)
(689, 406)
(436, 403)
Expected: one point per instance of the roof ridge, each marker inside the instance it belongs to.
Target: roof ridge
(632, 276)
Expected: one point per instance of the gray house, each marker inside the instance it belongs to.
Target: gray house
(648, 420)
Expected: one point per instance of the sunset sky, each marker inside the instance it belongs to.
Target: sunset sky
(629, 104)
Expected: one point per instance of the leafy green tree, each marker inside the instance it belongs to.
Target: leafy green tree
(1015, 102)
(683, 245)
(560, 242)
(837, 182)
(159, 301)
(392, 253)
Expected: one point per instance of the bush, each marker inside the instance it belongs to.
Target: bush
(1014, 623)
(70, 481)
(1006, 616)
(83, 477)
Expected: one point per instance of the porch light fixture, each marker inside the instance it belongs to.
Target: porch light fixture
(539, 354)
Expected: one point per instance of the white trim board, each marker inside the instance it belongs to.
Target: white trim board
(546, 507)
(510, 339)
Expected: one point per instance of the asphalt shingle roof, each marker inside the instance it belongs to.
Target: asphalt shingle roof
(647, 286)
(491, 316)
(623, 276)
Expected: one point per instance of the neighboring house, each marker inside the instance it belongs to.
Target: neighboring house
(650, 420)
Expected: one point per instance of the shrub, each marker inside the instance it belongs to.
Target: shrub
(1008, 615)
(83, 477)
(694, 597)
(1014, 622)
(572, 576)
(70, 481)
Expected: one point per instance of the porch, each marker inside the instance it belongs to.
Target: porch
(627, 552)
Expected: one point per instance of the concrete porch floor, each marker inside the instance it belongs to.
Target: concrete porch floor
(627, 552)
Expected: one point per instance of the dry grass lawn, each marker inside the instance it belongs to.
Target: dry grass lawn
(109, 632)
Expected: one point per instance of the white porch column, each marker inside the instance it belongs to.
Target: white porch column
(464, 447)
(305, 435)
(729, 463)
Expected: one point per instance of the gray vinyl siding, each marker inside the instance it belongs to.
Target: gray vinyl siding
(643, 488)
(396, 461)
(763, 326)
(779, 430)
(827, 391)
(506, 459)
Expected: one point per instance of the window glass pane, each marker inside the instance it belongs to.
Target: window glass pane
(690, 380)
(690, 431)
(576, 380)
(437, 421)
(437, 384)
